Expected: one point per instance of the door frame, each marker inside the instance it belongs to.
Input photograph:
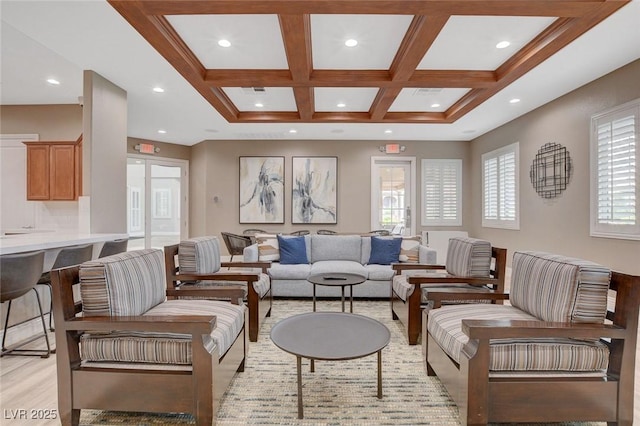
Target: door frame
(378, 160)
(184, 192)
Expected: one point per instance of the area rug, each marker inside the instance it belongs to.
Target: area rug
(337, 393)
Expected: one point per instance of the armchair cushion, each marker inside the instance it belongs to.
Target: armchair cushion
(128, 283)
(165, 348)
(199, 255)
(537, 355)
(558, 288)
(468, 257)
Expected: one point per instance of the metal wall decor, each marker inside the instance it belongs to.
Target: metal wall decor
(551, 170)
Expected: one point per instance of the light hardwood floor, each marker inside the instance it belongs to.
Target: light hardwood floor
(28, 390)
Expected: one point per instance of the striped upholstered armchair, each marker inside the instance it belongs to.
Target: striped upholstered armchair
(471, 265)
(549, 355)
(125, 340)
(199, 267)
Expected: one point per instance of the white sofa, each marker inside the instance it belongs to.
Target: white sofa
(334, 253)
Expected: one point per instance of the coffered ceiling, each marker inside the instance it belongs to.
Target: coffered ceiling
(413, 61)
(421, 69)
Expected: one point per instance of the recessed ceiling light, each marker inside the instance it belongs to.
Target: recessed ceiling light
(258, 105)
(351, 43)
(514, 101)
(53, 81)
(503, 44)
(435, 105)
(293, 131)
(341, 105)
(224, 43)
(388, 131)
(158, 89)
(162, 131)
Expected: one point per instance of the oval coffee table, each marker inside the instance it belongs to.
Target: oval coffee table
(330, 336)
(341, 279)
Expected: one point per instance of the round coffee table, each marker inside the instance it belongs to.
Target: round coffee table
(336, 279)
(330, 336)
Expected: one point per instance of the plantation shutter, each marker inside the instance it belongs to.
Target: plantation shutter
(615, 185)
(442, 197)
(500, 188)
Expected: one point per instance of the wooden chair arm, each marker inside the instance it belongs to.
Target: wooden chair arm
(235, 276)
(186, 324)
(234, 294)
(449, 279)
(513, 329)
(262, 265)
(407, 266)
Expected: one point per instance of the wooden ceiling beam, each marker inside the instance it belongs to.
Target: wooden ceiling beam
(296, 35)
(566, 8)
(248, 78)
(382, 102)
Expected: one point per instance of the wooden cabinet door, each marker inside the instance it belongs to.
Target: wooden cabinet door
(62, 172)
(38, 172)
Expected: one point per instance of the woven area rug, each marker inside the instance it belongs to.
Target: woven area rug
(337, 393)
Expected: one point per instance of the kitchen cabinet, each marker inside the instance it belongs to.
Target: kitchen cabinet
(54, 170)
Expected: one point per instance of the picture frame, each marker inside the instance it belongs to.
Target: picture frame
(261, 189)
(314, 190)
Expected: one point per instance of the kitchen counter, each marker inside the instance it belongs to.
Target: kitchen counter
(50, 241)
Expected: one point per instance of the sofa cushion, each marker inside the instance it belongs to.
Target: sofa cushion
(268, 250)
(165, 348)
(335, 247)
(128, 283)
(384, 251)
(468, 257)
(379, 272)
(293, 250)
(410, 249)
(332, 266)
(199, 255)
(558, 354)
(558, 288)
(289, 272)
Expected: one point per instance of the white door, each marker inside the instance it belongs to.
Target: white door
(393, 194)
(157, 202)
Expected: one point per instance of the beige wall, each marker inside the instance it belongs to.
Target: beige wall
(50, 122)
(561, 224)
(167, 150)
(214, 173)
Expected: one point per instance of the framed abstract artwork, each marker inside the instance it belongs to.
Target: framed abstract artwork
(261, 189)
(314, 192)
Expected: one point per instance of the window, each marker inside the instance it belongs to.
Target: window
(500, 198)
(135, 210)
(162, 203)
(442, 192)
(614, 173)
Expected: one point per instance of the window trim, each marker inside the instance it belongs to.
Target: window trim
(431, 162)
(625, 232)
(496, 154)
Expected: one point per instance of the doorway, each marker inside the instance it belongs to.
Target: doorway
(157, 201)
(393, 194)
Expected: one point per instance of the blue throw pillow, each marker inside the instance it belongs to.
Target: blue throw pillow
(385, 251)
(293, 250)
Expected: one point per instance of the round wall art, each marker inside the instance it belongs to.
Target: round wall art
(550, 170)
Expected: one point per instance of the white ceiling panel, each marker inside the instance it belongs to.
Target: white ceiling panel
(256, 40)
(272, 98)
(469, 42)
(378, 39)
(426, 99)
(355, 99)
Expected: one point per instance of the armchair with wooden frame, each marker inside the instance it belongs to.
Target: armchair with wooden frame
(472, 264)
(563, 350)
(124, 347)
(198, 266)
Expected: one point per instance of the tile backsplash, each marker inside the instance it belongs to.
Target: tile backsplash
(56, 215)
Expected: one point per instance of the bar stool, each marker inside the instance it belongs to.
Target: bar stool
(114, 247)
(68, 256)
(19, 275)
